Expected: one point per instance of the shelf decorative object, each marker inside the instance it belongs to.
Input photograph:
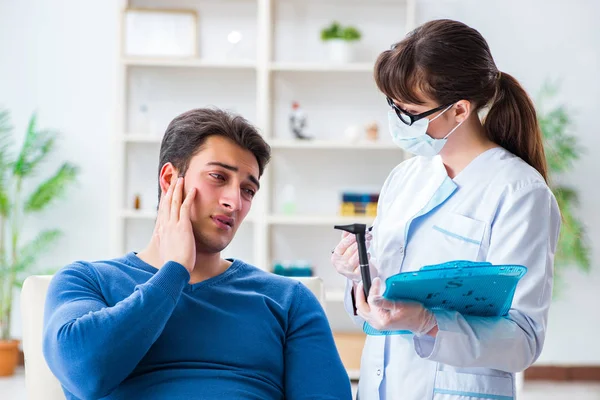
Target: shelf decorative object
(372, 130)
(160, 33)
(357, 203)
(298, 122)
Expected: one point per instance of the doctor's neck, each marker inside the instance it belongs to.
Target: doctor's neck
(464, 145)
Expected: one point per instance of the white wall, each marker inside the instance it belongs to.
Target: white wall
(59, 57)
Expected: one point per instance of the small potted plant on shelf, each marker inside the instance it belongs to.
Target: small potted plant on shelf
(17, 258)
(341, 41)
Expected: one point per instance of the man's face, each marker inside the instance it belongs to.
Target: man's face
(226, 179)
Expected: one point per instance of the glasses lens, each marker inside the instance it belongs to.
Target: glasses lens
(403, 117)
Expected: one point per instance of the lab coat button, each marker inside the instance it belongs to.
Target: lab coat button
(401, 249)
(378, 372)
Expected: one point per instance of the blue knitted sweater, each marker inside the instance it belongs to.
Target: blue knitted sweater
(122, 329)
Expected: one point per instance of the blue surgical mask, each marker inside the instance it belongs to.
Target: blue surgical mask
(414, 138)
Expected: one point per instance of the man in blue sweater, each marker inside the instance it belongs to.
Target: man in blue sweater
(175, 320)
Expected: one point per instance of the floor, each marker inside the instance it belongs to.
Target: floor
(13, 388)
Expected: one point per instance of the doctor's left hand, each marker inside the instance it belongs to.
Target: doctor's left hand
(386, 315)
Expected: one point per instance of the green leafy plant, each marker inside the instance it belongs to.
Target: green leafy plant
(562, 150)
(336, 31)
(16, 258)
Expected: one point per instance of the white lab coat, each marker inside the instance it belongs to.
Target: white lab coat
(498, 209)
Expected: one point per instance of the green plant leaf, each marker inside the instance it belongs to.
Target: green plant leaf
(5, 160)
(30, 252)
(562, 150)
(561, 147)
(336, 31)
(351, 33)
(36, 146)
(572, 248)
(52, 188)
(47, 271)
(565, 197)
(4, 203)
(331, 32)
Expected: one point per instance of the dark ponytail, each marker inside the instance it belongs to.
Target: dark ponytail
(448, 61)
(512, 123)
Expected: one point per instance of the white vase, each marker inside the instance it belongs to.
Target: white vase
(340, 51)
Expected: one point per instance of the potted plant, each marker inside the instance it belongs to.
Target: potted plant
(17, 256)
(562, 150)
(341, 41)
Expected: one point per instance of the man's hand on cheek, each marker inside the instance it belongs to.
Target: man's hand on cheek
(174, 228)
(194, 206)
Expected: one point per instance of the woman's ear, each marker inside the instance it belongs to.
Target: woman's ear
(462, 110)
(168, 176)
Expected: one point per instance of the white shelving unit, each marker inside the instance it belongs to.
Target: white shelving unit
(330, 145)
(320, 67)
(186, 62)
(284, 62)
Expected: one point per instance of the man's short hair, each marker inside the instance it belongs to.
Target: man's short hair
(187, 133)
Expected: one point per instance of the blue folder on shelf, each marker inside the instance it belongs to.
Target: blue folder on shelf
(471, 288)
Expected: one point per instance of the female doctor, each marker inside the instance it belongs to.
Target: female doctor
(474, 191)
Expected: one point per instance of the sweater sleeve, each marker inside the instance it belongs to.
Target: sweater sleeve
(90, 347)
(313, 367)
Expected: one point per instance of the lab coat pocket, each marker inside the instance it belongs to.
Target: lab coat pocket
(451, 385)
(458, 236)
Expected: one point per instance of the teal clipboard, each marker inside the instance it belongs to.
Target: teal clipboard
(470, 288)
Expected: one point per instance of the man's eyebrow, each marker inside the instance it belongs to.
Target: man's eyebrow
(232, 168)
(226, 166)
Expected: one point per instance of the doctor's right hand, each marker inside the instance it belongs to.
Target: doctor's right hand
(344, 256)
(174, 228)
(385, 315)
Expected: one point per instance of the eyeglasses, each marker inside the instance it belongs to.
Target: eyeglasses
(409, 118)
